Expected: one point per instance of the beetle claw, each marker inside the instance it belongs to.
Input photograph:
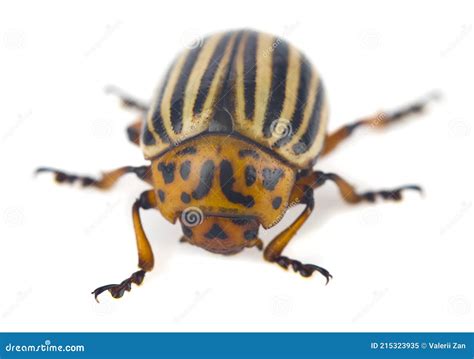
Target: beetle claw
(118, 290)
(305, 270)
(394, 194)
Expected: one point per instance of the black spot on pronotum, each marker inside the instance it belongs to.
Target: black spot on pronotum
(250, 175)
(216, 232)
(276, 203)
(271, 177)
(186, 198)
(205, 180)
(249, 153)
(161, 195)
(240, 221)
(185, 169)
(250, 234)
(167, 170)
(227, 180)
(187, 151)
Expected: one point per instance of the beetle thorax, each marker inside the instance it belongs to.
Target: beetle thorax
(224, 176)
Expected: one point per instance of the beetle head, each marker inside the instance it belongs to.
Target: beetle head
(224, 235)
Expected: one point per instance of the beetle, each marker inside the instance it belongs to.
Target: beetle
(231, 136)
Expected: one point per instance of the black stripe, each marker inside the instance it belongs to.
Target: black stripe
(250, 73)
(222, 121)
(177, 100)
(308, 137)
(227, 95)
(205, 180)
(301, 100)
(190, 150)
(210, 72)
(156, 119)
(249, 153)
(277, 91)
(227, 180)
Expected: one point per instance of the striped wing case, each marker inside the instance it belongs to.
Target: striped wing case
(244, 83)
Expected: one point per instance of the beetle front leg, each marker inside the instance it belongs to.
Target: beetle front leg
(147, 200)
(107, 180)
(272, 252)
(379, 120)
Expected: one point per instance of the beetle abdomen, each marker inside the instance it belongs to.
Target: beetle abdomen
(245, 82)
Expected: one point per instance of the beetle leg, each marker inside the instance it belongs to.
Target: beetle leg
(107, 180)
(147, 200)
(380, 120)
(127, 100)
(347, 191)
(272, 252)
(133, 131)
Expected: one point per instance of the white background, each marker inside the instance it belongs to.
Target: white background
(396, 266)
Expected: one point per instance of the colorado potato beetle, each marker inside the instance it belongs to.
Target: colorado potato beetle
(231, 136)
